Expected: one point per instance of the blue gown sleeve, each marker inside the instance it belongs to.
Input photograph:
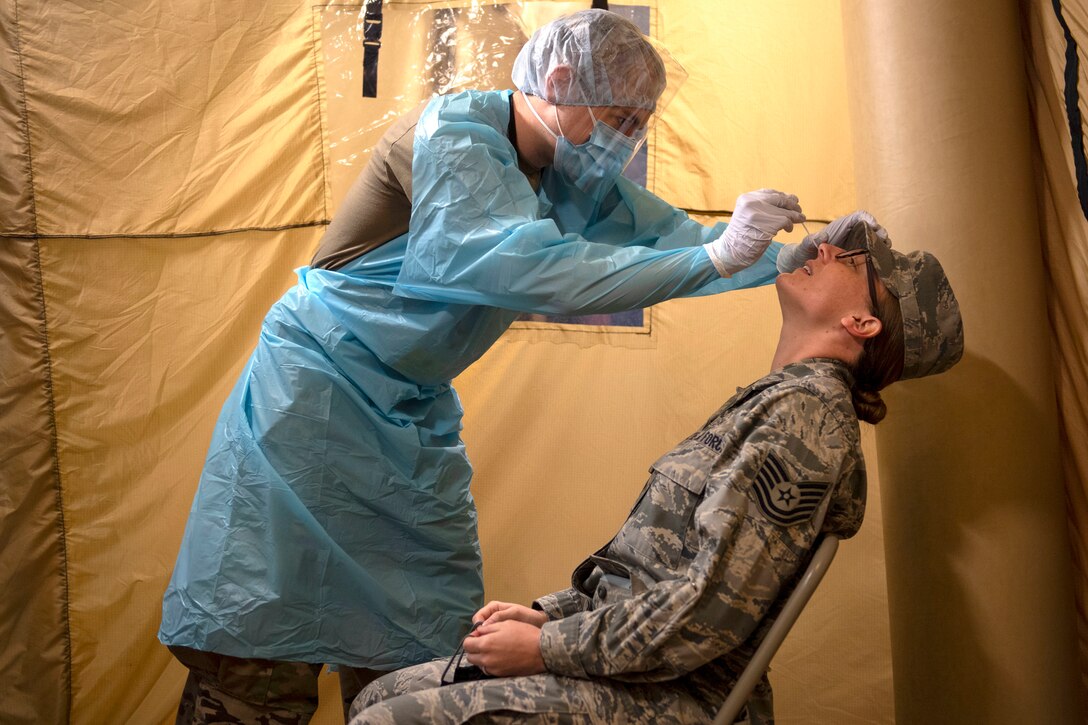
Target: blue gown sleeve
(651, 221)
(644, 219)
(478, 234)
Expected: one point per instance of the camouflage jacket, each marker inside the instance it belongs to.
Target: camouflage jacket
(718, 538)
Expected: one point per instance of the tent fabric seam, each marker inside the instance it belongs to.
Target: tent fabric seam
(315, 45)
(171, 235)
(47, 382)
(729, 212)
(652, 159)
(25, 109)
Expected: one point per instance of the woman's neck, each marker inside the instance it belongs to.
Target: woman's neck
(796, 345)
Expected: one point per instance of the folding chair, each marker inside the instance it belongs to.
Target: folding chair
(761, 660)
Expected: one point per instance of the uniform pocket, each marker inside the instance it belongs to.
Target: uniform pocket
(657, 527)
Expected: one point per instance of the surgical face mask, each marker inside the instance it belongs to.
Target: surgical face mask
(592, 166)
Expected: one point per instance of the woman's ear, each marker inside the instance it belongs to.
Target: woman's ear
(863, 326)
(559, 82)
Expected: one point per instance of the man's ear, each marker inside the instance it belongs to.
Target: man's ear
(559, 81)
(862, 327)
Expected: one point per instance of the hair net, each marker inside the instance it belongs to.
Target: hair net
(611, 63)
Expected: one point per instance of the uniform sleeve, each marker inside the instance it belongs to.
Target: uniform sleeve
(478, 235)
(746, 550)
(562, 604)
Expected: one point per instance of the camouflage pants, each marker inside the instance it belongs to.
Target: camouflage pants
(412, 696)
(238, 691)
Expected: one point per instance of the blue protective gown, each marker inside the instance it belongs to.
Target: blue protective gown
(333, 520)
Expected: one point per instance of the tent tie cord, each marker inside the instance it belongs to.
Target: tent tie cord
(372, 42)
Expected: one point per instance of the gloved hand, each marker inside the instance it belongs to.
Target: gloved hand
(792, 256)
(757, 217)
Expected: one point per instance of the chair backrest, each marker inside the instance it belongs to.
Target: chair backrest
(761, 660)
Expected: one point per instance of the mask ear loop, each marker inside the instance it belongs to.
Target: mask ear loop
(540, 120)
(560, 126)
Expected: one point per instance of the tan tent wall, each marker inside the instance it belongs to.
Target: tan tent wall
(206, 161)
(33, 561)
(34, 608)
(978, 566)
(1058, 86)
(15, 192)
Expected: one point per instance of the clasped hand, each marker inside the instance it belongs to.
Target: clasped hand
(507, 642)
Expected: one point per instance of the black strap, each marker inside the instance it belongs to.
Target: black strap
(600, 5)
(1072, 110)
(372, 42)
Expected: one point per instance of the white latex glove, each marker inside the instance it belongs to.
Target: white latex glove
(757, 217)
(792, 256)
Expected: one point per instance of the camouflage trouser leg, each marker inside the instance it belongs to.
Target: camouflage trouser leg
(412, 696)
(238, 691)
(352, 682)
(223, 689)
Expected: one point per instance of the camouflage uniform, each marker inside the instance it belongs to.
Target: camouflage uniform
(661, 620)
(240, 691)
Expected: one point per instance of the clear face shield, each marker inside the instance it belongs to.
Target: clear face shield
(638, 92)
(600, 61)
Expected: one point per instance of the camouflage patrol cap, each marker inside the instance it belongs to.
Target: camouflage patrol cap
(932, 326)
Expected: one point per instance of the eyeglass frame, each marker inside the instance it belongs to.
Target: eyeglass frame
(462, 674)
(870, 274)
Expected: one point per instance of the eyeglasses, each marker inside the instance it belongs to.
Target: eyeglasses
(851, 258)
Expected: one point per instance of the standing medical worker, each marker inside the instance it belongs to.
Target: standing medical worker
(333, 521)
